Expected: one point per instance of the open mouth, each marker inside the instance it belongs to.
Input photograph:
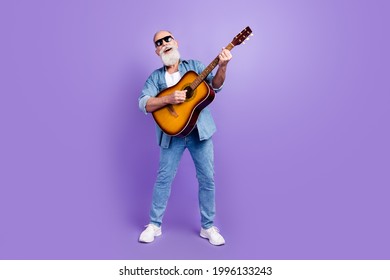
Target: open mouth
(167, 50)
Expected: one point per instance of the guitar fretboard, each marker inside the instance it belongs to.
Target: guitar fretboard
(202, 76)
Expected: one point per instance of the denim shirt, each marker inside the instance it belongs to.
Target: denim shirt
(156, 83)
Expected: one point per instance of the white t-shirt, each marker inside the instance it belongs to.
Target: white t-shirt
(172, 79)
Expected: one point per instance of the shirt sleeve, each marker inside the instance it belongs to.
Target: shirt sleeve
(149, 90)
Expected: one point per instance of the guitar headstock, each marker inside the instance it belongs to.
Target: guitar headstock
(242, 36)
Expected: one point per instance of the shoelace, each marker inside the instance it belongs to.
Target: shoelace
(151, 226)
(214, 229)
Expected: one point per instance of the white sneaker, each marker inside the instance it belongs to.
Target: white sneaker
(213, 235)
(149, 233)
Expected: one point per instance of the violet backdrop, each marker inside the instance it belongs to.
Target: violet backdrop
(302, 147)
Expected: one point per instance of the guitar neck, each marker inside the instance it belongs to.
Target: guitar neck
(202, 76)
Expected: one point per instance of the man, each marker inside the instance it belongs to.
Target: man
(198, 142)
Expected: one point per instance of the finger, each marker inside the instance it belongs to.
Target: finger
(224, 55)
(181, 92)
(227, 52)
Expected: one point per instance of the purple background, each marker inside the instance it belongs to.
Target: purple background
(302, 148)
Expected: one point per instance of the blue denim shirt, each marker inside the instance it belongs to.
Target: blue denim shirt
(156, 83)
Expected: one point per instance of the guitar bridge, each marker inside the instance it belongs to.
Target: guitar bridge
(172, 111)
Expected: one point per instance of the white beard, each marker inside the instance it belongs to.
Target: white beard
(171, 58)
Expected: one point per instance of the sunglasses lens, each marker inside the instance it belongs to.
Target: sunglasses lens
(166, 39)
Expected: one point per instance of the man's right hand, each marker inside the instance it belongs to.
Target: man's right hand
(155, 103)
(177, 97)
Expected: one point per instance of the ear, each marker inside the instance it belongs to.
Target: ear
(156, 51)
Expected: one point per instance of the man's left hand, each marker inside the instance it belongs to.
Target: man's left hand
(224, 57)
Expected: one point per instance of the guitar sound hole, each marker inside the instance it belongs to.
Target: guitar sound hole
(189, 93)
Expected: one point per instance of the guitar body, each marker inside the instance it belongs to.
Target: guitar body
(180, 119)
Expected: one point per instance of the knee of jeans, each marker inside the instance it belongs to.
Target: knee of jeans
(164, 177)
(205, 174)
(206, 181)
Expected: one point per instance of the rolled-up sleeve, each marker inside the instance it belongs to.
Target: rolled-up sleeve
(217, 89)
(142, 103)
(149, 90)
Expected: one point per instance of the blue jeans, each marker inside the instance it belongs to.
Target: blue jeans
(202, 153)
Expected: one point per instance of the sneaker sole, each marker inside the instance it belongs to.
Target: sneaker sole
(213, 243)
(147, 241)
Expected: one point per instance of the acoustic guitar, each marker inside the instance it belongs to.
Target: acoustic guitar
(180, 119)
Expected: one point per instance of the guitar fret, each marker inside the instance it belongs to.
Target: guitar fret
(202, 76)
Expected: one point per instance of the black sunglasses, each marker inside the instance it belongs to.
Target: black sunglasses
(167, 39)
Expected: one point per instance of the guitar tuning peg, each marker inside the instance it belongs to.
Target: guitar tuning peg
(243, 43)
(247, 39)
(252, 34)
